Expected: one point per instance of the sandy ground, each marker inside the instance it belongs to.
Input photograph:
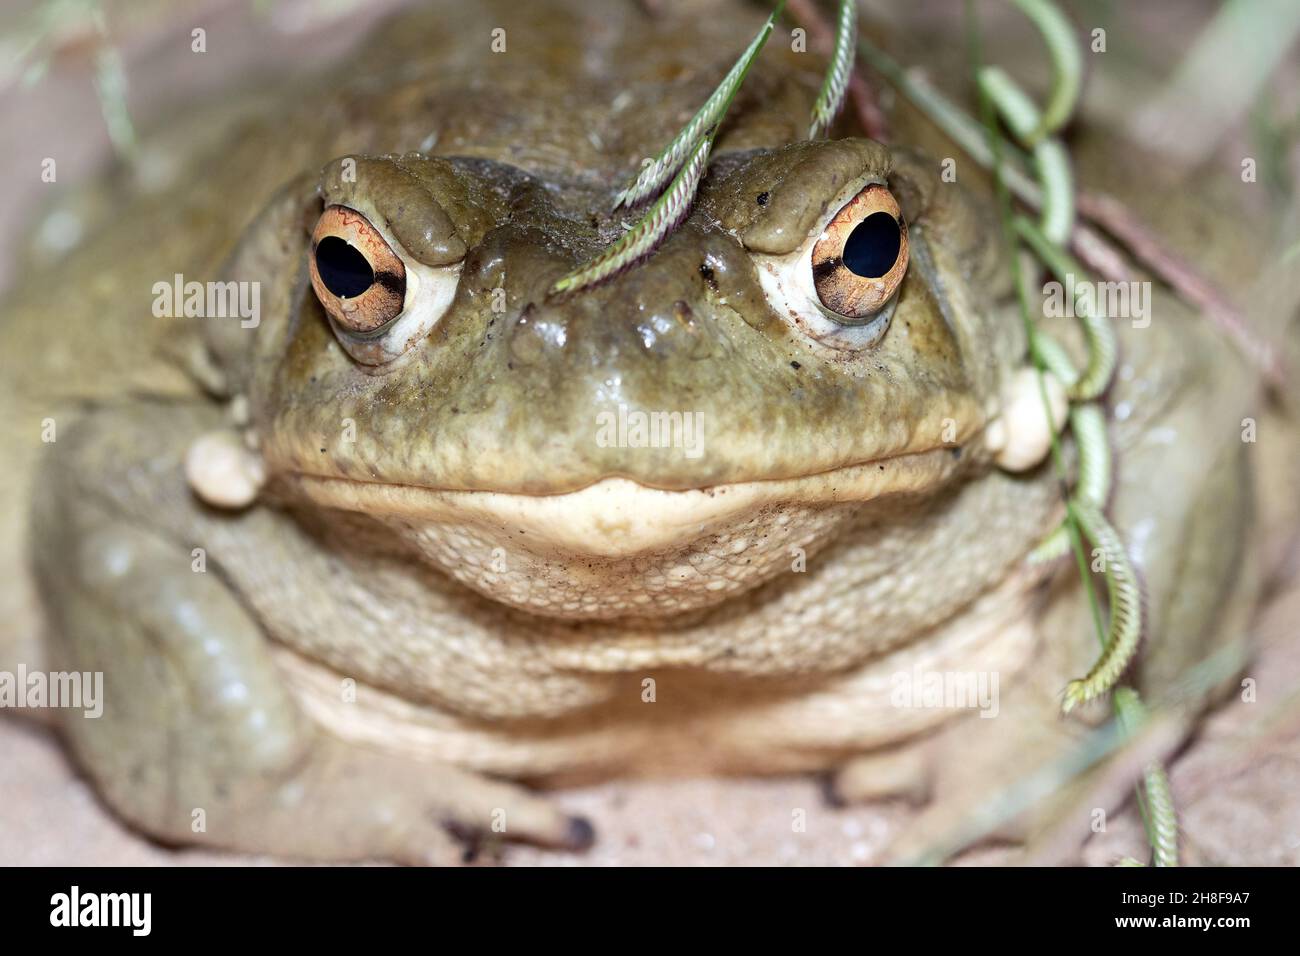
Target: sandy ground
(1237, 785)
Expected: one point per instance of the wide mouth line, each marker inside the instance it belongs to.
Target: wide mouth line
(618, 518)
(630, 479)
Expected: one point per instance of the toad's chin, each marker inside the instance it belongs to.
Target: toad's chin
(617, 548)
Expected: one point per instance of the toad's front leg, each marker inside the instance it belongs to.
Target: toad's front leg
(1192, 540)
(199, 741)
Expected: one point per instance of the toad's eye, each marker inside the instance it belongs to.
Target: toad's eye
(861, 257)
(358, 278)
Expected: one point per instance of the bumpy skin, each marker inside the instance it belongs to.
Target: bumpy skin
(446, 569)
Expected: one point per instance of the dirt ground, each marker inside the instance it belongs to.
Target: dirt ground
(1237, 785)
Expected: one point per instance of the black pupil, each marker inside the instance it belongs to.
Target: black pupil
(343, 268)
(872, 247)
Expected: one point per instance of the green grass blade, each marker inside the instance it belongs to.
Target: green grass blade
(664, 216)
(836, 84)
(662, 168)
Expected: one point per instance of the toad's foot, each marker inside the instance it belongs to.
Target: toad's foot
(1010, 778)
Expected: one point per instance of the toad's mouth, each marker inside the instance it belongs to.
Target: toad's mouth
(617, 517)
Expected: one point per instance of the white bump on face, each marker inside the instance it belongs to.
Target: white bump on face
(1021, 436)
(222, 471)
